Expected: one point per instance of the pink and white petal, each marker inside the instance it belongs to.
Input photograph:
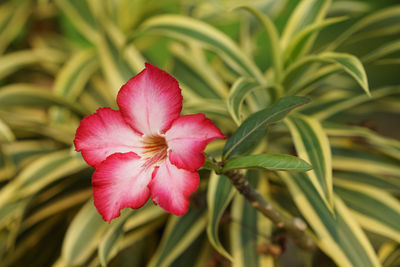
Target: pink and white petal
(150, 101)
(171, 187)
(188, 137)
(120, 182)
(104, 133)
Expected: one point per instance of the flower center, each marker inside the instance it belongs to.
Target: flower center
(154, 149)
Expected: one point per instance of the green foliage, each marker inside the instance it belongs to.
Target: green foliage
(332, 162)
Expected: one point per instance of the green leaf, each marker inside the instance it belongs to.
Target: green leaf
(83, 236)
(180, 233)
(300, 45)
(268, 161)
(273, 35)
(6, 135)
(349, 159)
(306, 13)
(238, 92)
(79, 13)
(219, 195)
(72, 78)
(192, 68)
(35, 96)
(40, 173)
(382, 51)
(12, 20)
(12, 62)
(338, 234)
(339, 102)
(351, 65)
(382, 182)
(389, 254)
(312, 145)
(109, 242)
(188, 29)
(375, 209)
(130, 227)
(383, 144)
(249, 229)
(115, 65)
(254, 127)
(380, 23)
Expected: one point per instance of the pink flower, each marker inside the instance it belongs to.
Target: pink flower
(146, 148)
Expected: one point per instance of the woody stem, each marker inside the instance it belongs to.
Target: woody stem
(295, 227)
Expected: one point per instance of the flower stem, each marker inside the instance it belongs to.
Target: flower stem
(295, 227)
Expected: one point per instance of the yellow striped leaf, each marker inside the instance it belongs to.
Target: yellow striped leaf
(338, 234)
(219, 195)
(186, 29)
(313, 146)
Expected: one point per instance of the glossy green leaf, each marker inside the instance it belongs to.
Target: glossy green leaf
(180, 233)
(312, 145)
(185, 28)
(339, 234)
(254, 127)
(268, 161)
(375, 210)
(219, 195)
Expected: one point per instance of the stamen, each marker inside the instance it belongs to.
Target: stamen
(154, 150)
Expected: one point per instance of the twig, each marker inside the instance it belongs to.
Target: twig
(295, 227)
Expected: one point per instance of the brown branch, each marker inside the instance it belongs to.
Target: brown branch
(295, 227)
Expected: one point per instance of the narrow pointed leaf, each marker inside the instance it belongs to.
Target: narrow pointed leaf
(34, 96)
(254, 127)
(219, 195)
(82, 236)
(185, 28)
(269, 162)
(181, 232)
(312, 145)
(238, 92)
(375, 210)
(351, 65)
(339, 235)
(306, 13)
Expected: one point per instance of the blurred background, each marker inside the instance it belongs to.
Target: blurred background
(60, 60)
